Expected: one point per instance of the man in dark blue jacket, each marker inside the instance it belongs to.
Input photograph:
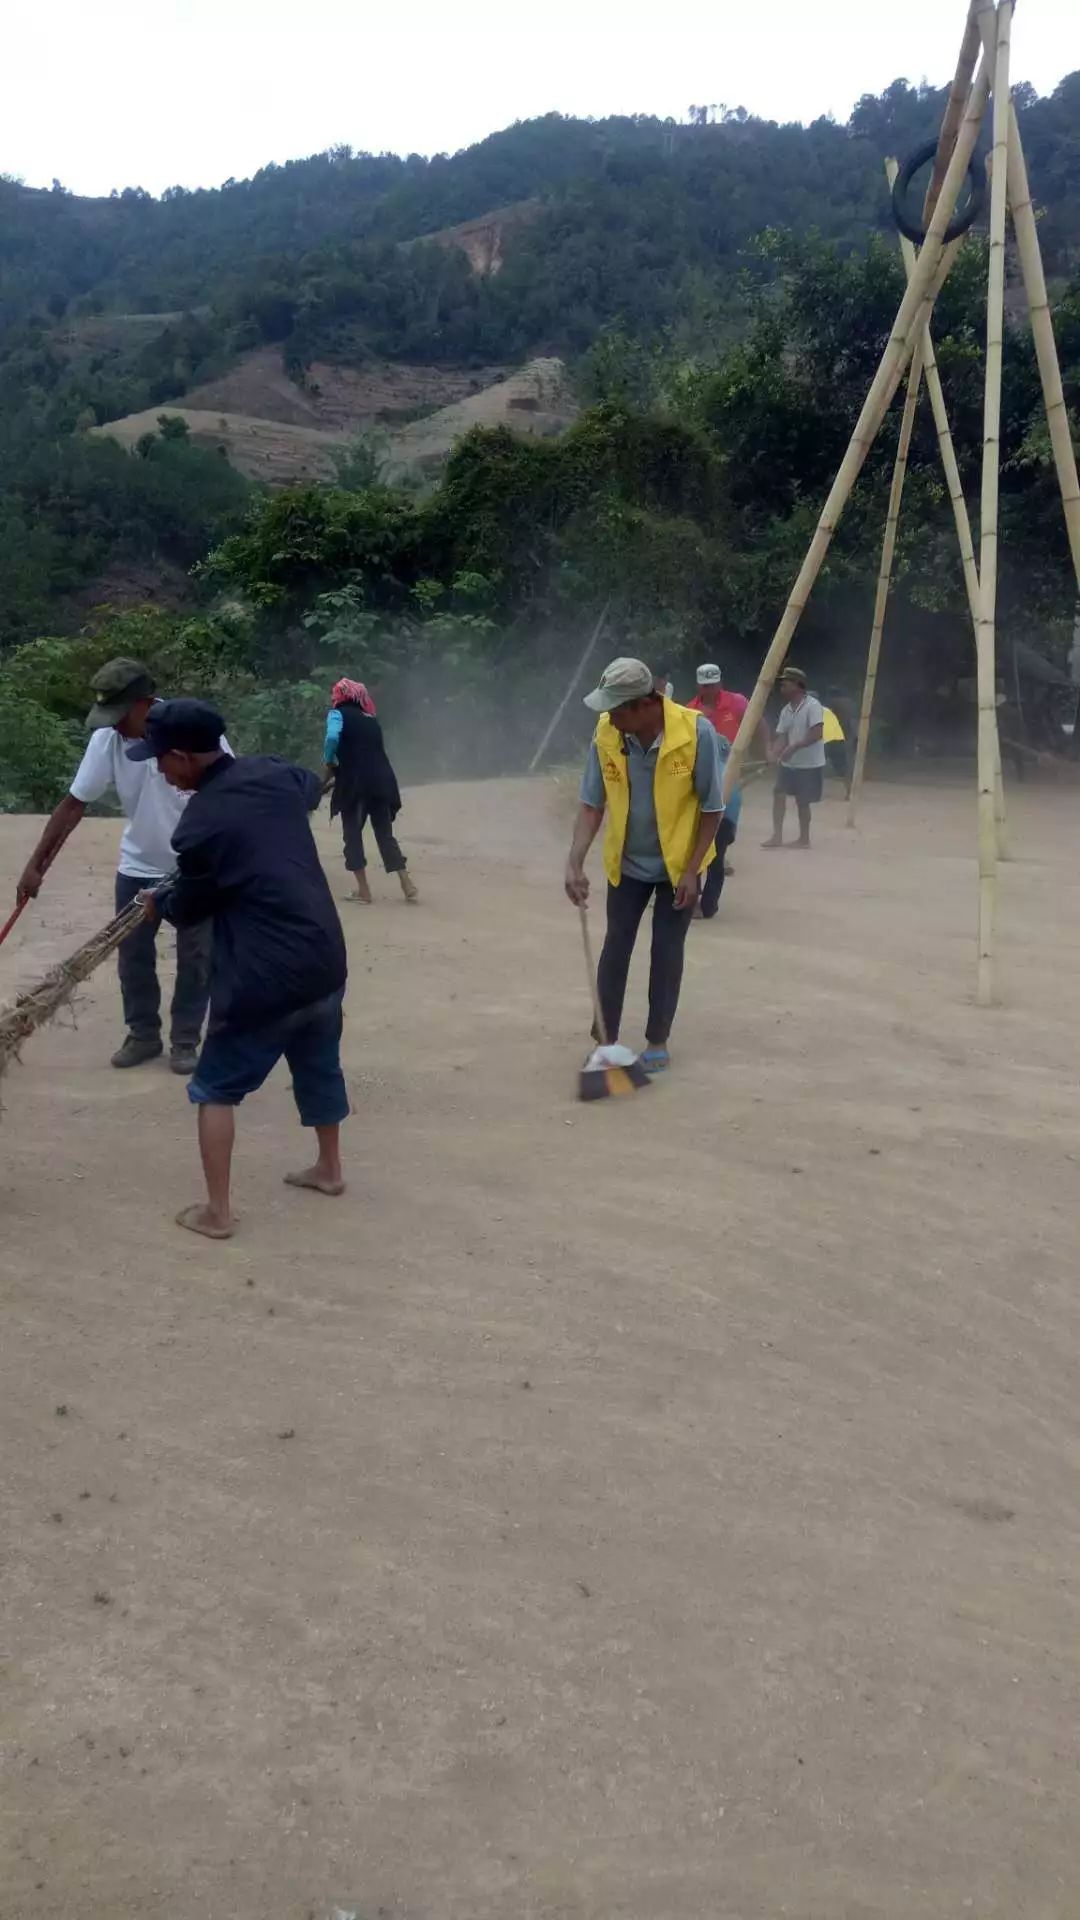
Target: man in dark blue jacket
(246, 859)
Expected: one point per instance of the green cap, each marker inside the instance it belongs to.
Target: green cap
(117, 685)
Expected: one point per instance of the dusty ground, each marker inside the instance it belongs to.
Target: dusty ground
(658, 1511)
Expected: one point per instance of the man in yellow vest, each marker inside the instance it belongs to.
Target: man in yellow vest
(654, 769)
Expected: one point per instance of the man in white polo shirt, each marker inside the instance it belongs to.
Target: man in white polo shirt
(124, 694)
(798, 754)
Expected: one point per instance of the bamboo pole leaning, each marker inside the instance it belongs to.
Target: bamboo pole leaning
(884, 582)
(955, 488)
(986, 670)
(954, 107)
(574, 679)
(932, 266)
(888, 550)
(1042, 330)
(923, 358)
(949, 464)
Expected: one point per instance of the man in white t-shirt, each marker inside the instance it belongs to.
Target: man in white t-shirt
(798, 754)
(124, 694)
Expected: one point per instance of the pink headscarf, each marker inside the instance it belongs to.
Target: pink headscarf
(350, 693)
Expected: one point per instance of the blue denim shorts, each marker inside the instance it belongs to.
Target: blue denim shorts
(236, 1060)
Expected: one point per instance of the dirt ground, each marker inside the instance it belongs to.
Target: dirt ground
(663, 1510)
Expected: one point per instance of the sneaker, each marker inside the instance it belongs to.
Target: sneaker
(183, 1055)
(135, 1051)
(656, 1059)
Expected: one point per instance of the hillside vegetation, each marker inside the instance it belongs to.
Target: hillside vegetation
(721, 292)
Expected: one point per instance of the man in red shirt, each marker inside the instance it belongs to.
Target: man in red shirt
(723, 709)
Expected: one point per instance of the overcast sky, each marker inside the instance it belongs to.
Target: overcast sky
(156, 93)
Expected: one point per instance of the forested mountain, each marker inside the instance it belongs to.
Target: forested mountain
(629, 207)
(721, 289)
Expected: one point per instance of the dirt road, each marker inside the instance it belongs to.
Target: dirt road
(665, 1510)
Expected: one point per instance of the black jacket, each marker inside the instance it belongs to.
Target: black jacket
(364, 772)
(247, 859)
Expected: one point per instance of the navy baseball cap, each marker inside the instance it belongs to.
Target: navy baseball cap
(179, 726)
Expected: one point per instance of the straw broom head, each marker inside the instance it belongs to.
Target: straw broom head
(39, 1004)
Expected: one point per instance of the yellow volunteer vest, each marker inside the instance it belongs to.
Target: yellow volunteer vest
(831, 729)
(678, 809)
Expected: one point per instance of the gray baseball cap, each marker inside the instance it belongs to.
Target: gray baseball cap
(709, 675)
(621, 680)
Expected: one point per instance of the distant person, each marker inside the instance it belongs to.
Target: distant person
(654, 770)
(248, 865)
(836, 748)
(125, 695)
(725, 838)
(722, 709)
(798, 753)
(365, 787)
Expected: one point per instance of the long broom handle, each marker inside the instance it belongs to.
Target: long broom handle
(130, 919)
(23, 904)
(11, 919)
(594, 985)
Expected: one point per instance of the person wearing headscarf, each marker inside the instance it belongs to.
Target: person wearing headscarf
(365, 786)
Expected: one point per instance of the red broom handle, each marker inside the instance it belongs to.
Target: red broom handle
(11, 919)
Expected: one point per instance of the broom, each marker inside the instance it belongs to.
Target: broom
(609, 1069)
(21, 905)
(39, 1004)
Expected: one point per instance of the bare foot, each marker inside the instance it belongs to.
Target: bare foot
(358, 899)
(200, 1220)
(802, 846)
(317, 1180)
(770, 844)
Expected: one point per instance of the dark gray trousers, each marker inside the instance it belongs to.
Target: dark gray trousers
(140, 990)
(626, 905)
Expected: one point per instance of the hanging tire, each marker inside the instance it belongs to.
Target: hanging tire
(960, 222)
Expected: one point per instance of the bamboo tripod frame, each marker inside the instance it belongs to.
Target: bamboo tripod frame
(989, 24)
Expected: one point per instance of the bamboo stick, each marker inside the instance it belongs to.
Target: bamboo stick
(1000, 819)
(1042, 330)
(888, 550)
(988, 539)
(932, 266)
(574, 678)
(955, 488)
(954, 108)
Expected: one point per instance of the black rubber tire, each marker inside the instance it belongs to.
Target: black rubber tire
(960, 222)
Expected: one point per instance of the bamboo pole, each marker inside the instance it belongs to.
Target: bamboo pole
(888, 550)
(1042, 330)
(950, 466)
(923, 358)
(1000, 820)
(574, 678)
(955, 488)
(954, 107)
(932, 266)
(988, 539)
